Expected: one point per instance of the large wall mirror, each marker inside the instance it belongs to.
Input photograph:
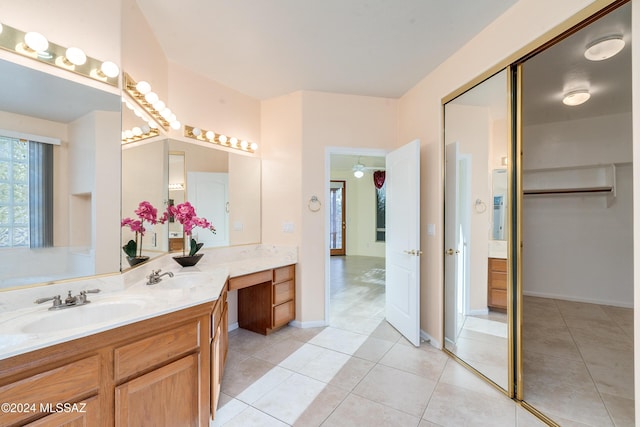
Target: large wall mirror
(224, 187)
(476, 322)
(56, 199)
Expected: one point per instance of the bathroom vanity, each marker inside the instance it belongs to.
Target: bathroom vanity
(139, 355)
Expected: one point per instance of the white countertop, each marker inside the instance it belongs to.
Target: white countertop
(127, 296)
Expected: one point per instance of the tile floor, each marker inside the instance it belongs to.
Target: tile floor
(578, 362)
(357, 372)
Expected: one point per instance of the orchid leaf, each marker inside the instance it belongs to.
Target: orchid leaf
(195, 247)
(130, 248)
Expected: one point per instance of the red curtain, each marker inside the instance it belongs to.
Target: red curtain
(378, 179)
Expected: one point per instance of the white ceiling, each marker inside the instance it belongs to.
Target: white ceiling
(270, 48)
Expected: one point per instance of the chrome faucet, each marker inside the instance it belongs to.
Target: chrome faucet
(155, 277)
(69, 301)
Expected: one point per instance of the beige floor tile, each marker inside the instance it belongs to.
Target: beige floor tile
(321, 407)
(525, 418)
(325, 365)
(239, 377)
(227, 411)
(278, 351)
(358, 411)
(291, 399)
(621, 410)
(456, 406)
(563, 387)
(339, 340)
(304, 334)
(248, 342)
(351, 373)
(263, 385)
(253, 417)
(550, 340)
(623, 317)
(398, 389)
(373, 349)
(613, 380)
(386, 332)
(427, 364)
(457, 375)
(301, 357)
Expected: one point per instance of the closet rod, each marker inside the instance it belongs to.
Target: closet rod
(569, 190)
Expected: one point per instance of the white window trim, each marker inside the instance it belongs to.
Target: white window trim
(29, 137)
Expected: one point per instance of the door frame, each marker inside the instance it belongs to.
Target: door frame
(343, 246)
(352, 151)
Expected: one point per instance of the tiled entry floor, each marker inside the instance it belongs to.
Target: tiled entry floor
(357, 372)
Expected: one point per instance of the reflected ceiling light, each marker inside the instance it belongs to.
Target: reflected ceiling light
(244, 144)
(358, 170)
(151, 97)
(222, 139)
(254, 146)
(210, 135)
(219, 139)
(197, 131)
(36, 41)
(0, 28)
(604, 48)
(76, 56)
(576, 97)
(143, 87)
(110, 69)
(175, 125)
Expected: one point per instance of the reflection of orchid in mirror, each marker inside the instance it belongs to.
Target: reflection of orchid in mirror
(185, 214)
(145, 212)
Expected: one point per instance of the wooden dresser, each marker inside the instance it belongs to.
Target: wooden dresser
(497, 284)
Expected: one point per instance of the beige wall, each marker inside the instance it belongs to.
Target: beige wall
(420, 117)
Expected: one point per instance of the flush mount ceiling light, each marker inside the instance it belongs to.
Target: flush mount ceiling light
(604, 48)
(576, 97)
(358, 170)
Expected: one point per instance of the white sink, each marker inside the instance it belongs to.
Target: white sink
(85, 315)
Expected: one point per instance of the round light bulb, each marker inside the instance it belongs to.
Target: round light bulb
(145, 129)
(124, 135)
(137, 112)
(604, 48)
(576, 97)
(0, 28)
(233, 141)
(143, 87)
(175, 125)
(358, 174)
(196, 131)
(210, 135)
(128, 133)
(153, 125)
(151, 97)
(166, 112)
(172, 117)
(254, 146)
(222, 139)
(129, 105)
(76, 56)
(36, 41)
(136, 131)
(110, 69)
(244, 144)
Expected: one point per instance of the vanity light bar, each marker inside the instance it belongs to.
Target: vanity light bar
(137, 134)
(130, 86)
(71, 59)
(219, 139)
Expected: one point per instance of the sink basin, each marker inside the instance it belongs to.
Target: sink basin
(183, 280)
(86, 315)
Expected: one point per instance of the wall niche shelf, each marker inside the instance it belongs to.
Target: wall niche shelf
(597, 180)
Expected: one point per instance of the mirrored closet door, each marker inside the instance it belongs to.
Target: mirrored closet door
(476, 137)
(577, 226)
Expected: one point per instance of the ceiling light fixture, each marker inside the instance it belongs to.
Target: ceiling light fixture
(358, 170)
(604, 48)
(219, 139)
(576, 97)
(149, 101)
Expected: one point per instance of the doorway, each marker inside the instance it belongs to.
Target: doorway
(338, 220)
(355, 286)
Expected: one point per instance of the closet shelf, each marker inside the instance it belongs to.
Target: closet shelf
(568, 181)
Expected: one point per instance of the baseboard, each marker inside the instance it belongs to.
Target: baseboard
(481, 312)
(233, 326)
(429, 339)
(309, 324)
(578, 299)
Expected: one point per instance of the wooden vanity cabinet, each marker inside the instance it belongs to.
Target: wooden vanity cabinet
(155, 372)
(497, 284)
(266, 299)
(219, 346)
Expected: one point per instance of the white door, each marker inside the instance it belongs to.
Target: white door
(452, 237)
(208, 192)
(403, 240)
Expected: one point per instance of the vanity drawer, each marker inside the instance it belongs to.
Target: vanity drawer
(249, 280)
(499, 298)
(283, 313)
(284, 273)
(67, 383)
(498, 280)
(156, 350)
(283, 292)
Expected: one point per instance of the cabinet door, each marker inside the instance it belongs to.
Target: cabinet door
(82, 414)
(166, 397)
(216, 374)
